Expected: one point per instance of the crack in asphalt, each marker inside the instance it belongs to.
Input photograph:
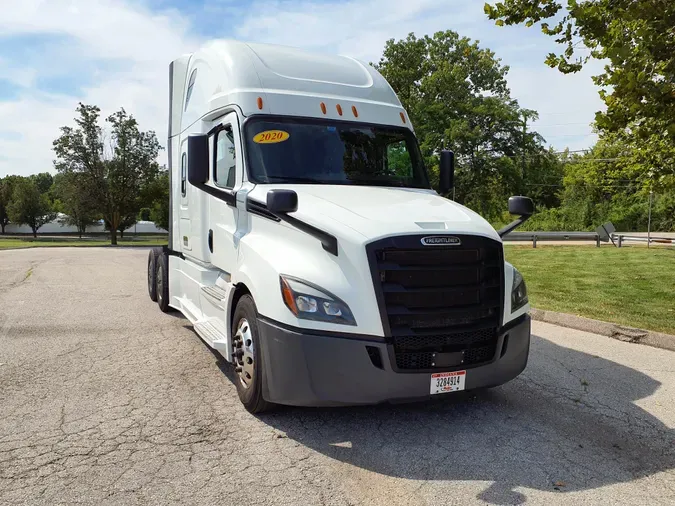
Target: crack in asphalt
(109, 401)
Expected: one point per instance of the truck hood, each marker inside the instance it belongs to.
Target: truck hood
(375, 212)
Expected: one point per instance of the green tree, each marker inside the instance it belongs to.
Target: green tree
(636, 39)
(29, 206)
(43, 181)
(156, 196)
(127, 221)
(160, 207)
(457, 97)
(6, 191)
(115, 179)
(75, 201)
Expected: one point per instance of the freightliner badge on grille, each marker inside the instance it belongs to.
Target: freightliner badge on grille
(441, 240)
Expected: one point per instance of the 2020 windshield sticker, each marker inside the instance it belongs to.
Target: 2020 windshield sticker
(271, 137)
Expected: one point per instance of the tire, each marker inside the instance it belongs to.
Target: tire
(152, 274)
(162, 283)
(247, 357)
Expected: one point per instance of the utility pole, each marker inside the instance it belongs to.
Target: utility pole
(649, 219)
(522, 146)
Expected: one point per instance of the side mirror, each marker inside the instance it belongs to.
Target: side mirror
(447, 171)
(282, 201)
(198, 159)
(522, 206)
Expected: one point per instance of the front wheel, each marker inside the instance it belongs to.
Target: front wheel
(247, 361)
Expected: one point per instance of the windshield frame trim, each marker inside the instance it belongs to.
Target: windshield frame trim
(309, 119)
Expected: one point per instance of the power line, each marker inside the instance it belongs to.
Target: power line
(586, 185)
(538, 155)
(535, 126)
(571, 135)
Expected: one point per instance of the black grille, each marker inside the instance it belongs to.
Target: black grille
(440, 305)
(431, 342)
(426, 360)
(425, 352)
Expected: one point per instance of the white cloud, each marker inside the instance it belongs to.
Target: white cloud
(129, 46)
(566, 103)
(119, 51)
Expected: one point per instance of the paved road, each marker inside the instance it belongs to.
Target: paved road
(105, 400)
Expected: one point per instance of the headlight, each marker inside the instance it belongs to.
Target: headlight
(518, 291)
(309, 302)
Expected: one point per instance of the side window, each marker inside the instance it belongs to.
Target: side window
(183, 174)
(226, 156)
(398, 160)
(191, 84)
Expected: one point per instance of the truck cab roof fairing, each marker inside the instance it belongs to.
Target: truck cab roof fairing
(289, 81)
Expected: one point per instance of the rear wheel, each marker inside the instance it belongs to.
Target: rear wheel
(162, 282)
(247, 353)
(152, 277)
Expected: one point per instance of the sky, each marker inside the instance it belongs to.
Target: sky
(116, 53)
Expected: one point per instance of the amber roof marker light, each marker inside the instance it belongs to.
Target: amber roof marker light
(260, 103)
(323, 108)
(402, 117)
(355, 112)
(339, 109)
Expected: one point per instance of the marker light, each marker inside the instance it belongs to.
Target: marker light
(287, 294)
(339, 109)
(260, 103)
(323, 108)
(356, 113)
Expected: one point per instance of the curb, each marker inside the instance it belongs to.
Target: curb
(613, 330)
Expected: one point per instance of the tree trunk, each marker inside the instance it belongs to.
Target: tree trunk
(113, 236)
(34, 232)
(121, 234)
(3, 228)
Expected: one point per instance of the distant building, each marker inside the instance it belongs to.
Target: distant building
(56, 227)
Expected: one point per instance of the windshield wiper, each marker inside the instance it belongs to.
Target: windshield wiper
(380, 182)
(295, 179)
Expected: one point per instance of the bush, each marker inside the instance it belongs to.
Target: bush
(629, 213)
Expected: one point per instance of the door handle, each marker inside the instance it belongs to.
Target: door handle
(211, 240)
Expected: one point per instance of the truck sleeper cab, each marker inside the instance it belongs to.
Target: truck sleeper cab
(307, 246)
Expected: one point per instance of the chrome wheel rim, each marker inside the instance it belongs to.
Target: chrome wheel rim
(244, 348)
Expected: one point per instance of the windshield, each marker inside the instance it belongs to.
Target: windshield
(319, 152)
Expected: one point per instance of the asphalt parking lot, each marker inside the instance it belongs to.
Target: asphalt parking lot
(106, 400)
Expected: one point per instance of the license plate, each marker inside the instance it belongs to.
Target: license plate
(444, 382)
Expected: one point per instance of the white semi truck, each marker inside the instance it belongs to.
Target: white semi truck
(307, 246)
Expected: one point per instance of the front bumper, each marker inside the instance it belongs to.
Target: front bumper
(313, 370)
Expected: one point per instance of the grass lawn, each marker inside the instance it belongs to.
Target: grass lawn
(633, 286)
(9, 243)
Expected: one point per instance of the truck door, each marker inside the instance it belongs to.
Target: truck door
(184, 210)
(227, 177)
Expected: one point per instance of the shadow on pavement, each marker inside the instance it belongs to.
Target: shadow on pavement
(568, 423)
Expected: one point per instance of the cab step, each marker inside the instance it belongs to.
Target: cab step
(215, 292)
(213, 336)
